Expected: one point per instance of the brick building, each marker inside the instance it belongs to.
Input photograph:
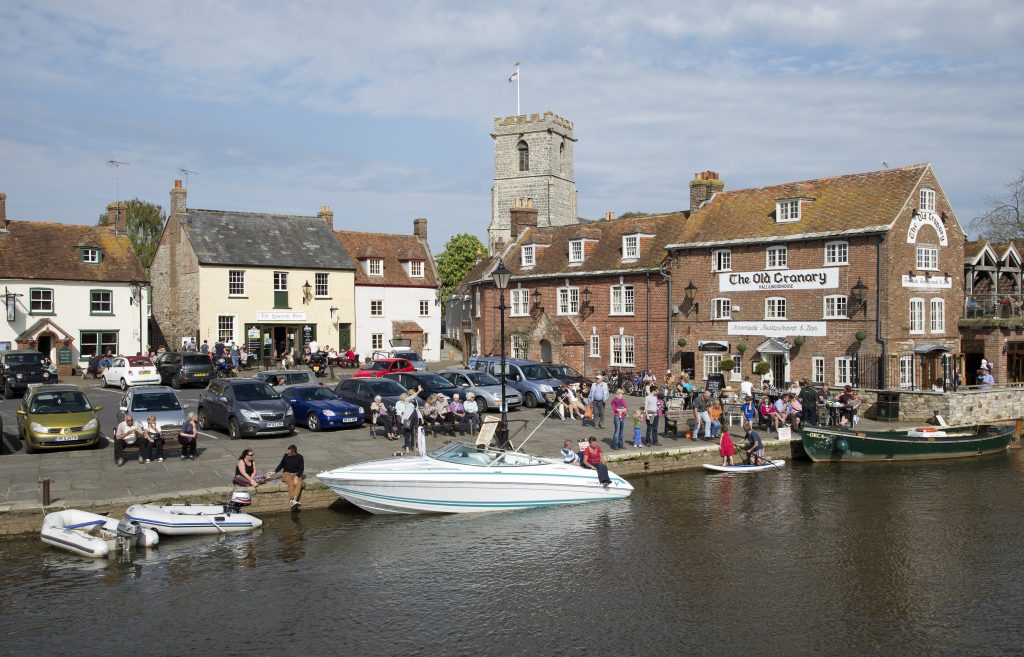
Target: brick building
(591, 295)
(992, 323)
(852, 279)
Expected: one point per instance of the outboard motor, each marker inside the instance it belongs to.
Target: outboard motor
(129, 535)
(239, 498)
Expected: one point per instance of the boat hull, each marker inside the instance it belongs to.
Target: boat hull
(744, 468)
(411, 486)
(185, 519)
(86, 534)
(866, 446)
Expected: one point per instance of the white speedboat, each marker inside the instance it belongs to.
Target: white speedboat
(461, 478)
(93, 535)
(180, 519)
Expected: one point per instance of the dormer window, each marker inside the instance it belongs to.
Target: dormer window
(91, 255)
(787, 211)
(576, 251)
(927, 200)
(416, 268)
(375, 266)
(527, 256)
(630, 247)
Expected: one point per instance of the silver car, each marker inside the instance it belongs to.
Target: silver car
(143, 401)
(486, 388)
(290, 378)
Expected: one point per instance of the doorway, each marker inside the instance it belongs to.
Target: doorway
(778, 373)
(545, 351)
(45, 345)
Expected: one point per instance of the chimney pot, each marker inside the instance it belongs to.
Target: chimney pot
(419, 228)
(177, 184)
(703, 186)
(608, 216)
(327, 215)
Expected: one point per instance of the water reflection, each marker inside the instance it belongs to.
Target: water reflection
(909, 559)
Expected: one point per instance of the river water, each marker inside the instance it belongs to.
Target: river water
(873, 559)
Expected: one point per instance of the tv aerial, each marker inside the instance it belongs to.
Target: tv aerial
(185, 172)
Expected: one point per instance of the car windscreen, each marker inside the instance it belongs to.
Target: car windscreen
(386, 388)
(433, 381)
(377, 366)
(535, 372)
(65, 401)
(20, 360)
(317, 394)
(563, 371)
(297, 377)
(255, 391)
(482, 379)
(195, 359)
(408, 355)
(152, 402)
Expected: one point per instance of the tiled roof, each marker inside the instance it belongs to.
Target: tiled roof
(972, 249)
(604, 255)
(571, 333)
(406, 327)
(252, 239)
(46, 250)
(857, 203)
(394, 250)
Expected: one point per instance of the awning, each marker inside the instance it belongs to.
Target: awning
(929, 347)
(774, 346)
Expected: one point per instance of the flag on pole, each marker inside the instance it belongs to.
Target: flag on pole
(515, 74)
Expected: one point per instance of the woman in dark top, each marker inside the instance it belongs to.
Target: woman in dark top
(187, 437)
(245, 471)
(293, 465)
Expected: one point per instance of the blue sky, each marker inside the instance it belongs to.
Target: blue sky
(383, 110)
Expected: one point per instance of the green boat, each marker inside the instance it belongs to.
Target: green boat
(828, 444)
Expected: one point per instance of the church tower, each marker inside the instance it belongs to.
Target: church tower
(533, 159)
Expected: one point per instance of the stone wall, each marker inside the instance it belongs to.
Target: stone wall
(175, 279)
(962, 407)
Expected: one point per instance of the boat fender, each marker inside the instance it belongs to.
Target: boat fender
(842, 445)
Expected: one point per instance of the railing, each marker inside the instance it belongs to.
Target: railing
(982, 306)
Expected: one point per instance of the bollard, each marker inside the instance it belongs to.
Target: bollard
(46, 492)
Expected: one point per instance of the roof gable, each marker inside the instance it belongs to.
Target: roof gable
(395, 251)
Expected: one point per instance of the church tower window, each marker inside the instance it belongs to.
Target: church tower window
(524, 156)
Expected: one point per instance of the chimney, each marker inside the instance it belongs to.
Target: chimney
(522, 215)
(117, 216)
(419, 228)
(327, 215)
(702, 187)
(3, 211)
(178, 195)
(479, 254)
(608, 216)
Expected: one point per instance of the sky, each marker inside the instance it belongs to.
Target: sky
(384, 110)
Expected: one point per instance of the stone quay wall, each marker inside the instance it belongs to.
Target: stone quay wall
(961, 407)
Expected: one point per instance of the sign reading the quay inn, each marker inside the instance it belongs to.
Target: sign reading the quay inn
(778, 329)
(786, 279)
(926, 218)
(280, 317)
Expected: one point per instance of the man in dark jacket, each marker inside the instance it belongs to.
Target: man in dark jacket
(293, 465)
(809, 401)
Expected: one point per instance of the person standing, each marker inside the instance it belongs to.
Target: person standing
(598, 396)
(651, 412)
(619, 412)
(126, 433)
(809, 401)
(701, 405)
(236, 357)
(746, 388)
(154, 445)
(749, 411)
(292, 466)
(188, 436)
(218, 349)
(411, 420)
(205, 348)
(726, 448)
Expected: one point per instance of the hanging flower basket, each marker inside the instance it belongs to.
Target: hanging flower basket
(682, 342)
(799, 340)
(860, 335)
(742, 348)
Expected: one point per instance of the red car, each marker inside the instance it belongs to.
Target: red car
(382, 366)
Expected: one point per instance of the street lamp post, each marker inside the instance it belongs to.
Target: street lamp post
(136, 288)
(501, 276)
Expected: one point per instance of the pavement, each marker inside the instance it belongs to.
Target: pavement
(90, 476)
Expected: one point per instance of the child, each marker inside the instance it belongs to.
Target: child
(638, 419)
(726, 448)
(749, 413)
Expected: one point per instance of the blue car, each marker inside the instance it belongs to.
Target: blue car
(321, 408)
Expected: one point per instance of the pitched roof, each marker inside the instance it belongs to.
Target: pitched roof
(393, 250)
(841, 205)
(50, 251)
(603, 251)
(252, 239)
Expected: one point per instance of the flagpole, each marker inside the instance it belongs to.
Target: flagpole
(518, 75)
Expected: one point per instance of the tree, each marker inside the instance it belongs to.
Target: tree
(457, 260)
(145, 221)
(1003, 220)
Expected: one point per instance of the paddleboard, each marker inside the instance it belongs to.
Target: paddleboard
(744, 468)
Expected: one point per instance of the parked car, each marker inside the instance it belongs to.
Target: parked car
(57, 416)
(290, 378)
(127, 371)
(245, 407)
(382, 366)
(566, 374)
(400, 352)
(431, 383)
(321, 408)
(180, 368)
(527, 376)
(362, 392)
(21, 367)
(486, 388)
(159, 401)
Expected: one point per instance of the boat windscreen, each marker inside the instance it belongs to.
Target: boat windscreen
(463, 454)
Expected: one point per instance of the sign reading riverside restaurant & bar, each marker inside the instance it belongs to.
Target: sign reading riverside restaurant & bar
(783, 279)
(773, 329)
(928, 282)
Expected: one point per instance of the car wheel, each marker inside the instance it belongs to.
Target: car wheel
(313, 422)
(176, 382)
(124, 384)
(529, 400)
(233, 431)
(204, 419)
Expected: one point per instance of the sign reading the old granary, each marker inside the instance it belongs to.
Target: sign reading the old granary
(787, 279)
(926, 218)
(779, 329)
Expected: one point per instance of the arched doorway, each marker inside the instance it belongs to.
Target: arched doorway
(545, 351)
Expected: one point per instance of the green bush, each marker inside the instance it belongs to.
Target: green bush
(726, 365)
(762, 368)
